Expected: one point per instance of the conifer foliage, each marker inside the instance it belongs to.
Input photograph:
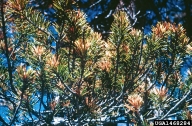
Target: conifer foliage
(62, 69)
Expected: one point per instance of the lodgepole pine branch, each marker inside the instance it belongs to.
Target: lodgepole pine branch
(7, 51)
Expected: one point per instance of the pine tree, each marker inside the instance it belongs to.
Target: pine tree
(63, 69)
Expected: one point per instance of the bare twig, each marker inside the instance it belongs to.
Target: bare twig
(178, 103)
(3, 121)
(95, 3)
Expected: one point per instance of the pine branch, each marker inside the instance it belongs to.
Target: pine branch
(6, 47)
(16, 111)
(39, 28)
(68, 88)
(24, 87)
(141, 53)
